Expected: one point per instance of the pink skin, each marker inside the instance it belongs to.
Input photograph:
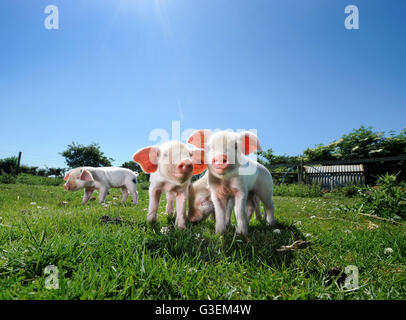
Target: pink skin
(233, 175)
(172, 166)
(201, 206)
(102, 179)
(81, 178)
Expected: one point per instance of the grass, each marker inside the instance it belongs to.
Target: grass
(44, 225)
(298, 190)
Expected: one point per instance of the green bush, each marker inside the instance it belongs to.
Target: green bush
(350, 190)
(387, 199)
(298, 190)
(7, 178)
(29, 179)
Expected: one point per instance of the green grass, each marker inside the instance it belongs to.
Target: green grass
(44, 225)
(24, 178)
(298, 190)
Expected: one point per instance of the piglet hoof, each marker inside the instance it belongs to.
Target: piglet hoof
(242, 233)
(244, 237)
(151, 219)
(182, 227)
(220, 230)
(271, 223)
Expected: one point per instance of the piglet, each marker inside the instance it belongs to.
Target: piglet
(201, 206)
(102, 179)
(233, 174)
(172, 166)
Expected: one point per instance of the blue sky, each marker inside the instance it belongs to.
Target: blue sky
(116, 70)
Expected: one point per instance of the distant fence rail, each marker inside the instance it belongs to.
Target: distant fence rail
(372, 167)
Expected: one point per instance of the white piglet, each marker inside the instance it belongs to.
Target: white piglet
(102, 179)
(172, 166)
(233, 174)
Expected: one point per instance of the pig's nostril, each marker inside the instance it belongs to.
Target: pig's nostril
(185, 166)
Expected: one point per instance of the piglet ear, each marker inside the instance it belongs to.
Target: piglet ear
(249, 142)
(147, 158)
(199, 138)
(198, 162)
(86, 176)
(67, 176)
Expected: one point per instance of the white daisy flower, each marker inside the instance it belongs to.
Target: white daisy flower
(388, 251)
(164, 230)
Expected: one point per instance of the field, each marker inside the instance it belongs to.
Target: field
(45, 225)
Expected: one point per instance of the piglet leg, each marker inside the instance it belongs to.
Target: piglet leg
(154, 196)
(241, 213)
(181, 209)
(220, 213)
(267, 199)
(103, 194)
(257, 205)
(87, 195)
(135, 197)
(170, 198)
(132, 188)
(124, 191)
(229, 210)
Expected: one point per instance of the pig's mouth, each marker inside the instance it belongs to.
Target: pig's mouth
(220, 168)
(183, 176)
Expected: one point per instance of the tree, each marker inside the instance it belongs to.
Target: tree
(268, 158)
(57, 172)
(78, 155)
(134, 166)
(320, 152)
(360, 143)
(8, 165)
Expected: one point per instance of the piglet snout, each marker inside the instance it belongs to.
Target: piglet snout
(65, 186)
(220, 161)
(185, 166)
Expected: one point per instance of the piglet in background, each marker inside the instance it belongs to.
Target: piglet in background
(233, 175)
(172, 166)
(102, 179)
(201, 206)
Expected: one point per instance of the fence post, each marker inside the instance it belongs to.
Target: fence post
(19, 162)
(300, 172)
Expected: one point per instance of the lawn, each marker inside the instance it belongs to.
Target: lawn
(45, 225)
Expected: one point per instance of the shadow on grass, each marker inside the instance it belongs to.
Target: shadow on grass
(200, 242)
